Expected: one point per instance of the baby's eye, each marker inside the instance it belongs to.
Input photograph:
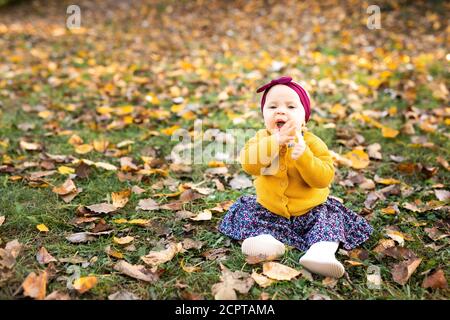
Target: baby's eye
(291, 107)
(272, 107)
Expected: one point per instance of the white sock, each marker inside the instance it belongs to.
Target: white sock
(264, 244)
(320, 258)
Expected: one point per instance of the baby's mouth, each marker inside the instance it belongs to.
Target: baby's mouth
(280, 123)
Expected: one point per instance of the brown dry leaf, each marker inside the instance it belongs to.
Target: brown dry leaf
(56, 295)
(223, 206)
(155, 258)
(9, 254)
(443, 162)
(278, 271)
(137, 190)
(120, 199)
(189, 195)
(189, 243)
(147, 205)
(123, 295)
(396, 236)
(70, 196)
(67, 187)
(43, 257)
(435, 280)
(442, 195)
(399, 253)
(241, 181)
(435, 234)
(85, 284)
(30, 146)
(259, 258)
(329, 282)
(215, 254)
(35, 286)
(123, 240)
(384, 244)
(101, 208)
(204, 215)
(261, 280)
(231, 281)
(374, 151)
(402, 271)
(136, 271)
(2, 220)
(81, 237)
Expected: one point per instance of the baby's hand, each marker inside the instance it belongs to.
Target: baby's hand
(286, 134)
(299, 147)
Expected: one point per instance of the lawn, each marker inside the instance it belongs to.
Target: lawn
(97, 105)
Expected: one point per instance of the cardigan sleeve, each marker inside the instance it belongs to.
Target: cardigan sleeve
(315, 165)
(258, 154)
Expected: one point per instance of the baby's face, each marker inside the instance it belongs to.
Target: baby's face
(282, 103)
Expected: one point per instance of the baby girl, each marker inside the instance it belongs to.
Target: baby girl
(293, 170)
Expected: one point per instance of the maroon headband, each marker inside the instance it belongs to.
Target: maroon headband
(287, 81)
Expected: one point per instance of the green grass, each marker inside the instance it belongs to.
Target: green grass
(25, 206)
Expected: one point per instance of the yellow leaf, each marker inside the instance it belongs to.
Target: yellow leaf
(42, 227)
(75, 140)
(359, 158)
(387, 181)
(66, 170)
(84, 284)
(123, 240)
(124, 110)
(169, 131)
(215, 164)
(34, 286)
(104, 110)
(120, 221)
(120, 199)
(139, 222)
(100, 145)
(83, 148)
(189, 269)
(389, 132)
(388, 210)
(152, 98)
(45, 114)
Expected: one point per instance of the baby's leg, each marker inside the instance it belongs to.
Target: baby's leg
(320, 258)
(264, 244)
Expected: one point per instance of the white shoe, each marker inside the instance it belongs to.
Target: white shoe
(320, 259)
(264, 244)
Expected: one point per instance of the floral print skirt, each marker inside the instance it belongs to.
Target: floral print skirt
(329, 221)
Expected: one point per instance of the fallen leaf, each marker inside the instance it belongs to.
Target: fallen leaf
(136, 271)
(435, 234)
(189, 269)
(402, 271)
(155, 258)
(231, 281)
(435, 280)
(442, 195)
(278, 271)
(384, 244)
(329, 282)
(374, 151)
(147, 205)
(30, 146)
(192, 244)
(83, 148)
(2, 220)
(56, 295)
(113, 253)
(81, 237)
(123, 240)
(120, 199)
(35, 286)
(101, 208)
(42, 227)
(240, 181)
(66, 170)
(261, 280)
(85, 284)
(67, 187)
(358, 158)
(202, 216)
(137, 190)
(123, 295)
(43, 257)
(215, 254)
